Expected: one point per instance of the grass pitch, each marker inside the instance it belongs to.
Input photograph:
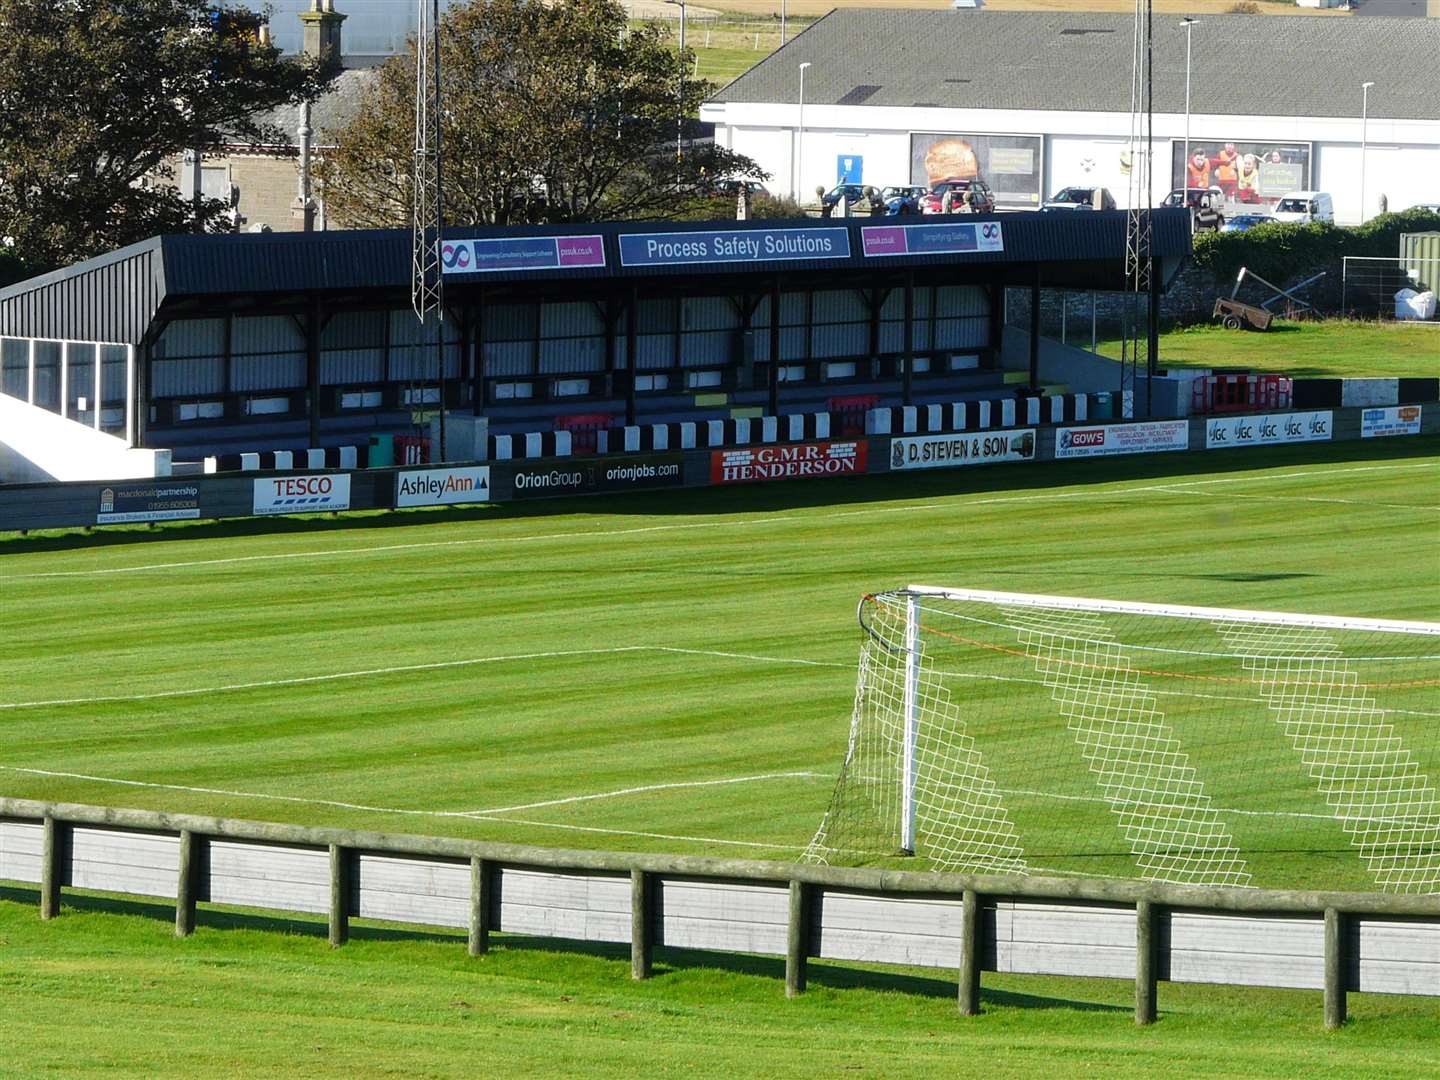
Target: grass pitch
(672, 672)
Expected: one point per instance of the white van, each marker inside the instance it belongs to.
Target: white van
(1303, 207)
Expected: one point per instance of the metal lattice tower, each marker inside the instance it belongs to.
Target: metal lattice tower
(427, 291)
(1136, 351)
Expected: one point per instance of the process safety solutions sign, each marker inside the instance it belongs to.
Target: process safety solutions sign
(1397, 420)
(795, 461)
(443, 487)
(948, 239)
(148, 502)
(732, 246)
(302, 494)
(522, 253)
(950, 451)
(1101, 441)
(1269, 430)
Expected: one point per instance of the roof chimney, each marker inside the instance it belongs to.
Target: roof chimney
(322, 31)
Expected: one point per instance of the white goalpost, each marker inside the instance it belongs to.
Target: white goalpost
(1002, 732)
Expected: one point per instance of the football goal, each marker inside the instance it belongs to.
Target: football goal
(1017, 734)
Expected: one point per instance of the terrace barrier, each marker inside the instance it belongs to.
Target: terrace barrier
(1333, 942)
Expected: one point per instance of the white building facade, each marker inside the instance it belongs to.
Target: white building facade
(1314, 138)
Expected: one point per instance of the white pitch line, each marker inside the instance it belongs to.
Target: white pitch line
(621, 792)
(649, 835)
(1180, 490)
(959, 503)
(406, 668)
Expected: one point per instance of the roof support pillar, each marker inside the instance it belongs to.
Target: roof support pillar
(1154, 334)
(1035, 329)
(476, 342)
(907, 386)
(632, 336)
(774, 404)
(997, 323)
(312, 368)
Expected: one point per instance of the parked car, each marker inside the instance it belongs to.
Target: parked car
(1433, 207)
(1244, 222)
(1195, 197)
(903, 200)
(1303, 207)
(853, 194)
(973, 196)
(1080, 198)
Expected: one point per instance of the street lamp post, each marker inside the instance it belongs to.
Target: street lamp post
(800, 138)
(680, 90)
(1188, 23)
(782, 23)
(1364, 140)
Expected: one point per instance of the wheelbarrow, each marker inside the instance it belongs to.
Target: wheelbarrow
(1234, 315)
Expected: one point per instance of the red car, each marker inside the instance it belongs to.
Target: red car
(972, 195)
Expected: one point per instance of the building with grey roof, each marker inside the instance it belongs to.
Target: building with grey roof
(1037, 101)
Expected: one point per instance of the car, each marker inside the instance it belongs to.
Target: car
(973, 196)
(1244, 222)
(903, 200)
(1304, 207)
(1194, 197)
(733, 187)
(853, 194)
(1433, 207)
(1080, 198)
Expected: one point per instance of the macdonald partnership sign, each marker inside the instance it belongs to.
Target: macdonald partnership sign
(951, 238)
(733, 246)
(522, 253)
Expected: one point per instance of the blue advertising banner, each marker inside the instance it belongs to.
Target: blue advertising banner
(745, 246)
(521, 253)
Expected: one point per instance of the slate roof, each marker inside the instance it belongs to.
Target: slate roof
(1242, 65)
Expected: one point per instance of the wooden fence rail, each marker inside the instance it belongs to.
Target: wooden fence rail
(1329, 941)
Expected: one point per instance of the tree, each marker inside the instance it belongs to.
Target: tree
(96, 96)
(557, 112)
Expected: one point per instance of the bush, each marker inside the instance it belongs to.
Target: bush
(11, 268)
(1281, 251)
(1244, 7)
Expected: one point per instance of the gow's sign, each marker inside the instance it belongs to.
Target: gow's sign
(302, 494)
(787, 462)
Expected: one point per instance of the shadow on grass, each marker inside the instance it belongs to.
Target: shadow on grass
(758, 498)
(826, 974)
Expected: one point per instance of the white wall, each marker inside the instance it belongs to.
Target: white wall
(1087, 161)
(37, 445)
(1405, 175)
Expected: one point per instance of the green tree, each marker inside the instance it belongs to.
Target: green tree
(96, 96)
(552, 112)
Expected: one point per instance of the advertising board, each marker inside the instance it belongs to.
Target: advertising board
(733, 245)
(581, 477)
(522, 253)
(950, 451)
(1102, 440)
(1396, 420)
(302, 494)
(1013, 165)
(148, 502)
(1269, 430)
(443, 487)
(943, 239)
(1250, 176)
(789, 461)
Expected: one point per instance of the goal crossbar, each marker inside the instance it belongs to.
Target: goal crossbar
(1180, 611)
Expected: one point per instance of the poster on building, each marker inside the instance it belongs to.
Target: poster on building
(1251, 176)
(1011, 164)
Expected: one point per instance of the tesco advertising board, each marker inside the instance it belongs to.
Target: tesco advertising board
(792, 461)
(443, 487)
(1397, 420)
(302, 494)
(949, 451)
(1101, 440)
(1225, 432)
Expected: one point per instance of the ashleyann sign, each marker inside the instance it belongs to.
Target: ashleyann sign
(1100, 441)
(521, 253)
(638, 472)
(745, 246)
(1267, 430)
(443, 487)
(787, 462)
(949, 451)
(148, 502)
(947, 239)
(302, 494)
(1397, 420)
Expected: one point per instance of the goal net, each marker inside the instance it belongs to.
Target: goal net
(1017, 734)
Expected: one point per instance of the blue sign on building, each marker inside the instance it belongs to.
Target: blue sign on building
(734, 246)
(849, 169)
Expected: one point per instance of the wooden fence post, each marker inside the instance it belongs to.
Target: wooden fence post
(797, 940)
(185, 886)
(641, 937)
(50, 850)
(1144, 962)
(1334, 969)
(339, 895)
(969, 998)
(479, 906)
